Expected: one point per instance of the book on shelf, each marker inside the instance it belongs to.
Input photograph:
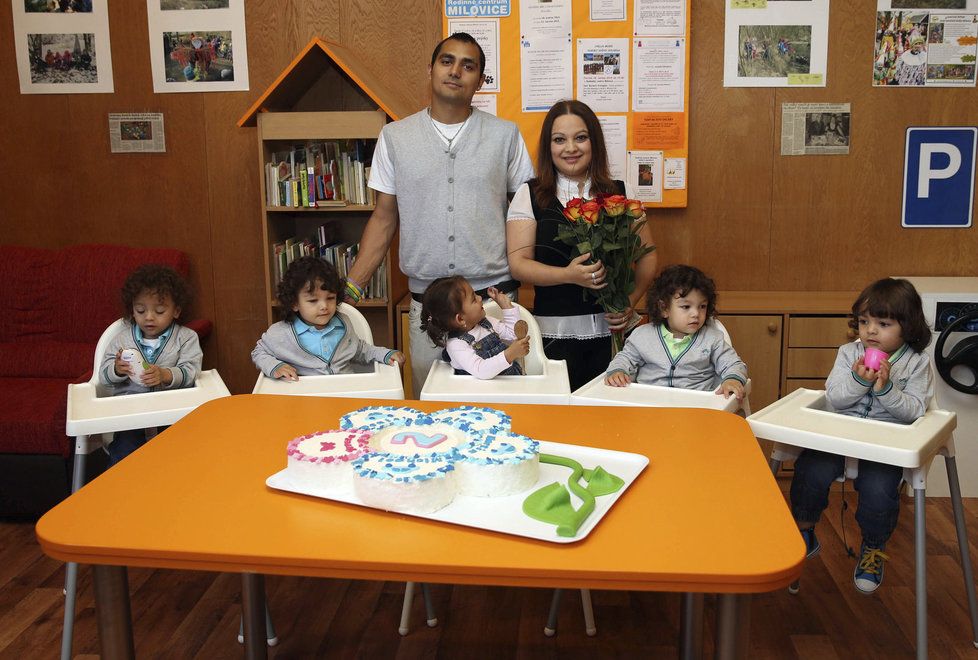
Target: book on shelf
(313, 174)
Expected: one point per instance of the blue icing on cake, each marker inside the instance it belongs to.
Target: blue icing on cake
(474, 418)
(378, 417)
(400, 469)
(501, 447)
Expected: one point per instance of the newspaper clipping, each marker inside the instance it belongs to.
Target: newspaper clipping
(809, 129)
(136, 132)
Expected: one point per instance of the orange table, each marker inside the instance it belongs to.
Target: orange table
(705, 516)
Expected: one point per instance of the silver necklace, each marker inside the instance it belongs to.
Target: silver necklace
(458, 131)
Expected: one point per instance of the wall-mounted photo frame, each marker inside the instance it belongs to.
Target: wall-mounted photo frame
(62, 46)
(197, 45)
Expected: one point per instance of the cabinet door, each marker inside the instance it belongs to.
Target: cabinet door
(758, 342)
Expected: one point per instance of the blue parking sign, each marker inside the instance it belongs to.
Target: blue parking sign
(939, 176)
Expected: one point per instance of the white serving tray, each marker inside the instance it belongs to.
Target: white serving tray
(505, 514)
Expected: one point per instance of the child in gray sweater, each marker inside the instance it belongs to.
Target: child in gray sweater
(315, 338)
(679, 348)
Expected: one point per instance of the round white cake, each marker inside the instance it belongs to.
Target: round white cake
(378, 417)
(473, 418)
(399, 483)
(324, 460)
(498, 464)
(420, 440)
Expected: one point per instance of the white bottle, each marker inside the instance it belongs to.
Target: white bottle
(135, 361)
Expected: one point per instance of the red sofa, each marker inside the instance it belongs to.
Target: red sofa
(54, 306)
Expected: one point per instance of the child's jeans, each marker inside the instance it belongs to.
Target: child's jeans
(126, 442)
(878, 486)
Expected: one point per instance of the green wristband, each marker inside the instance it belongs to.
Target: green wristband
(354, 292)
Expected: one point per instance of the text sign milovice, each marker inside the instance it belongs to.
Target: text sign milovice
(939, 176)
(476, 8)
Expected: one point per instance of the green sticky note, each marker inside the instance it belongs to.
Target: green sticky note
(805, 79)
(748, 4)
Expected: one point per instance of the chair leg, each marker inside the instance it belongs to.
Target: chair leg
(270, 637)
(71, 568)
(774, 464)
(969, 578)
(551, 628)
(405, 625)
(691, 627)
(589, 626)
(429, 606)
(920, 562)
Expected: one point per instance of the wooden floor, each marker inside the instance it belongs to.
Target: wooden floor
(179, 614)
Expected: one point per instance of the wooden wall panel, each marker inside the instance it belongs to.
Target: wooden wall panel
(755, 221)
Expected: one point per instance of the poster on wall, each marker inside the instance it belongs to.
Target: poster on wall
(644, 175)
(486, 34)
(197, 45)
(925, 43)
(602, 74)
(809, 129)
(546, 69)
(62, 47)
(781, 44)
(136, 132)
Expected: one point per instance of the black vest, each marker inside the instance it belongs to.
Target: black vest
(560, 299)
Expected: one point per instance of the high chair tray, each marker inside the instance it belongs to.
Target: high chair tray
(505, 514)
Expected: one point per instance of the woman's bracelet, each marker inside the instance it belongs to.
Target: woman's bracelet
(353, 291)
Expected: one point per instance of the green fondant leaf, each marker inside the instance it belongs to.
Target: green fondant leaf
(601, 482)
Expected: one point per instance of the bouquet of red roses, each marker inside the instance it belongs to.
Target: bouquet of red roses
(608, 227)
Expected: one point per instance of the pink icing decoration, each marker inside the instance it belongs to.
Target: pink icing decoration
(356, 444)
(419, 439)
(327, 446)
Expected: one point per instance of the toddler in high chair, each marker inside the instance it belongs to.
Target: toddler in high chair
(315, 338)
(163, 354)
(453, 316)
(889, 317)
(678, 348)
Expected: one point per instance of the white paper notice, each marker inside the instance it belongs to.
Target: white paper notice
(602, 74)
(551, 18)
(485, 102)
(547, 71)
(615, 130)
(644, 174)
(674, 176)
(660, 18)
(486, 33)
(607, 10)
(657, 75)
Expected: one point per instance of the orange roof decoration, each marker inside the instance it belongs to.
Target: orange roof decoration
(309, 66)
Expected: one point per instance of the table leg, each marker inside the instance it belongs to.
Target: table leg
(112, 607)
(253, 604)
(920, 556)
(733, 626)
(691, 627)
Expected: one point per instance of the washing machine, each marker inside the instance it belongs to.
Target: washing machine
(951, 310)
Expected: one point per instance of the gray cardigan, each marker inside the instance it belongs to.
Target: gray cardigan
(905, 397)
(279, 345)
(707, 361)
(181, 354)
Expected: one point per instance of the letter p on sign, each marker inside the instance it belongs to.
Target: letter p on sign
(939, 176)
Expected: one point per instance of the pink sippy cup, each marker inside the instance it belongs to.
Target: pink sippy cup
(873, 358)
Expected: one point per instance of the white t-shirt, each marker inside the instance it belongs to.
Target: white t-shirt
(382, 169)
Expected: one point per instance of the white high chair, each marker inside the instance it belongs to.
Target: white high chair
(596, 393)
(383, 382)
(543, 380)
(92, 412)
(804, 420)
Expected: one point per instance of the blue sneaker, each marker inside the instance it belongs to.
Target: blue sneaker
(812, 546)
(868, 575)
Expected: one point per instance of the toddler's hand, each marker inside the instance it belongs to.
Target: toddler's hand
(285, 372)
(882, 376)
(618, 379)
(397, 357)
(731, 386)
(501, 298)
(864, 372)
(519, 348)
(122, 367)
(154, 375)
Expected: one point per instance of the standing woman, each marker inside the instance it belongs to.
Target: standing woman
(571, 162)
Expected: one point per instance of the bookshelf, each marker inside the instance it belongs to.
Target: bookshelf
(325, 97)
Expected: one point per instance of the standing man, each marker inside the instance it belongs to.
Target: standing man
(443, 177)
